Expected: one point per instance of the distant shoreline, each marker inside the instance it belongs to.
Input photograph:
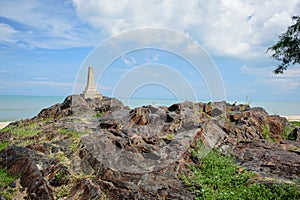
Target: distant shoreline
(4, 124)
(292, 118)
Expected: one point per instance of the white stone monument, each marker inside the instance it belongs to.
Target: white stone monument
(90, 91)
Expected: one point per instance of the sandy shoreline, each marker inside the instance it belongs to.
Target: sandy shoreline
(292, 118)
(3, 124)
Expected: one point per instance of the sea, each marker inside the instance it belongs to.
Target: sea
(16, 107)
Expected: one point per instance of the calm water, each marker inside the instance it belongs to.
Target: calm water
(20, 107)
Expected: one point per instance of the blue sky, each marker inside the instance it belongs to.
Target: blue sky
(43, 45)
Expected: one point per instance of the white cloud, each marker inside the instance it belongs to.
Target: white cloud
(7, 33)
(236, 28)
(287, 82)
(44, 24)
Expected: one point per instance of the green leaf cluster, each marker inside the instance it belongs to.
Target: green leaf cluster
(287, 49)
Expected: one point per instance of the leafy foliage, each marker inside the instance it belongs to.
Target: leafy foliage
(287, 49)
(3, 145)
(218, 177)
(29, 130)
(296, 123)
(69, 132)
(5, 177)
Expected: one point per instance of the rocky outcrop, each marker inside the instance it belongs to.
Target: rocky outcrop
(76, 105)
(279, 161)
(22, 162)
(95, 148)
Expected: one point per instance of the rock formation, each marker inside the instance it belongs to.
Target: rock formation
(119, 153)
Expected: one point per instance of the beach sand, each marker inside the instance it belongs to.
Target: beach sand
(292, 118)
(3, 124)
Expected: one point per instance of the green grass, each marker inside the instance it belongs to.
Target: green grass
(3, 145)
(5, 177)
(296, 123)
(286, 133)
(74, 134)
(99, 114)
(61, 191)
(266, 132)
(23, 131)
(170, 136)
(218, 177)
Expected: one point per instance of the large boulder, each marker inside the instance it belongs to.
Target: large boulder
(137, 156)
(76, 105)
(279, 161)
(22, 162)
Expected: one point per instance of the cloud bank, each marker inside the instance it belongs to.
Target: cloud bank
(234, 28)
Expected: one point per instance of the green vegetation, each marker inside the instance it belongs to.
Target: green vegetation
(296, 123)
(287, 49)
(286, 133)
(74, 146)
(61, 191)
(75, 134)
(99, 114)
(170, 136)
(61, 157)
(6, 179)
(218, 177)
(3, 145)
(23, 131)
(266, 131)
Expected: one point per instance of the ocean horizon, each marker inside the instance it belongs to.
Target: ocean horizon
(17, 107)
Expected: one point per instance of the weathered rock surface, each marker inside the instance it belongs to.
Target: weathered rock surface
(270, 159)
(77, 105)
(23, 162)
(92, 149)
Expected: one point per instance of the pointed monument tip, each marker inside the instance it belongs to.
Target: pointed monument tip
(90, 89)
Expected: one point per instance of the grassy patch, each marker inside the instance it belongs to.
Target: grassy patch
(296, 123)
(170, 136)
(74, 146)
(3, 145)
(46, 120)
(266, 132)
(61, 157)
(23, 131)
(61, 191)
(74, 134)
(5, 178)
(99, 114)
(285, 133)
(218, 177)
